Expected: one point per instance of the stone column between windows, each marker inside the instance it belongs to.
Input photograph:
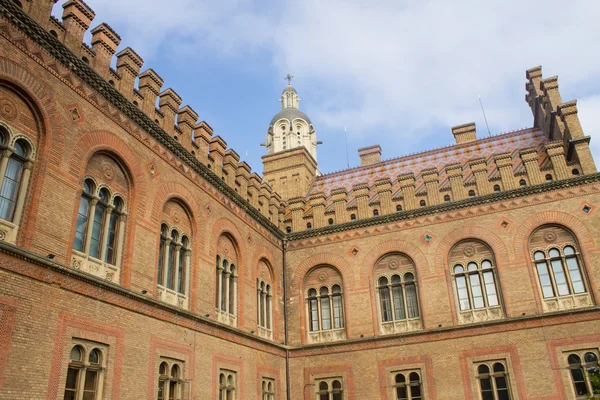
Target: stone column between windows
(258, 304)
(220, 287)
(176, 266)
(120, 240)
(270, 311)
(90, 225)
(22, 192)
(187, 271)
(166, 261)
(104, 239)
(4, 164)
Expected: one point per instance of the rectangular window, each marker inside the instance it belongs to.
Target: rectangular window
(10, 188)
(86, 369)
(407, 385)
(170, 379)
(492, 377)
(329, 389)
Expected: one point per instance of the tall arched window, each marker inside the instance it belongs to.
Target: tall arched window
(170, 380)
(397, 294)
(476, 288)
(325, 305)
(493, 381)
(174, 255)
(584, 373)
(268, 389)
(264, 301)
(100, 223)
(559, 268)
(85, 373)
(226, 285)
(408, 386)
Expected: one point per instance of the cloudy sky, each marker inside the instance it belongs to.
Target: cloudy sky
(395, 73)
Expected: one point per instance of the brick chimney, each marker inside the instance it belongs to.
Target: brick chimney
(464, 133)
(370, 155)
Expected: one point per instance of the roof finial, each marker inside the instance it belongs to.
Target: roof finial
(289, 78)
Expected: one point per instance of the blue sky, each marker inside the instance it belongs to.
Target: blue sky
(395, 73)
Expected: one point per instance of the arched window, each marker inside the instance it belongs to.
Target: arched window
(85, 373)
(422, 203)
(375, 212)
(330, 221)
(408, 386)
(585, 376)
(288, 229)
(226, 285)
(397, 294)
(471, 193)
(398, 207)
(227, 385)
(329, 389)
(522, 183)
(14, 167)
(447, 198)
(496, 188)
(101, 216)
(308, 225)
(548, 177)
(352, 217)
(325, 305)
(264, 300)
(559, 267)
(268, 389)
(174, 255)
(575, 171)
(475, 284)
(493, 381)
(170, 381)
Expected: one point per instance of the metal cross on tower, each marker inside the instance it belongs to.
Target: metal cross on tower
(289, 78)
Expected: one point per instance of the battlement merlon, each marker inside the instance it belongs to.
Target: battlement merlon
(149, 86)
(464, 133)
(40, 10)
(104, 44)
(77, 18)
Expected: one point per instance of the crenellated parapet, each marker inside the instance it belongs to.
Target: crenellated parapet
(161, 105)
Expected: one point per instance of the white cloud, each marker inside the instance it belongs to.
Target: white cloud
(388, 69)
(588, 109)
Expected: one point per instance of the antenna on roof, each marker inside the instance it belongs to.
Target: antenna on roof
(484, 117)
(346, 137)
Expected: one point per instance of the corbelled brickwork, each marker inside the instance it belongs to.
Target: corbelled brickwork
(127, 235)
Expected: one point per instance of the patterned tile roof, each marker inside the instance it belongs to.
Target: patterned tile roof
(486, 148)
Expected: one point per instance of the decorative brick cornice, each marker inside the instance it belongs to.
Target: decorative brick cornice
(17, 17)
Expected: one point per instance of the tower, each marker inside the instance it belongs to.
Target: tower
(291, 161)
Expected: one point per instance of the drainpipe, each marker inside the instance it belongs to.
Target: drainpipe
(285, 322)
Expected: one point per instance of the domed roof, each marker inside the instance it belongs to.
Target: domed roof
(290, 114)
(289, 88)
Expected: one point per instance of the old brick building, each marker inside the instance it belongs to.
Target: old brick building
(141, 259)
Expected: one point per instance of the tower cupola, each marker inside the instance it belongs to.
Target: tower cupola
(291, 128)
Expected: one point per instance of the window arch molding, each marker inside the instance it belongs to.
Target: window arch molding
(175, 254)
(324, 295)
(476, 288)
(396, 290)
(559, 268)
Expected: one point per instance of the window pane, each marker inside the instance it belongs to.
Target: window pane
(161, 390)
(172, 390)
(82, 220)
(171, 266)
(94, 357)
(411, 300)
(76, 353)
(97, 228)
(401, 393)
(539, 256)
(458, 269)
(10, 188)
(415, 391)
(463, 294)
(161, 260)
(568, 251)
(398, 302)
(181, 281)
(579, 381)
(223, 288)
(575, 273)
(337, 396)
(111, 242)
(325, 313)
(386, 305)
(476, 291)
(72, 376)
(486, 264)
(486, 388)
(490, 288)
(590, 358)
(314, 315)
(268, 305)
(232, 293)
(501, 382)
(471, 266)
(338, 321)
(547, 289)
(553, 253)
(90, 380)
(559, 277)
